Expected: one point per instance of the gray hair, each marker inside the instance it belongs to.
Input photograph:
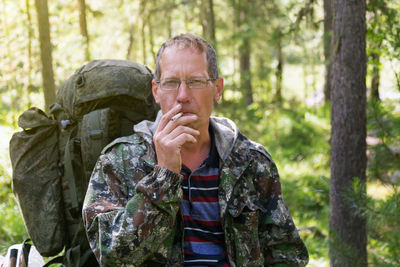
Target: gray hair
(188, 40)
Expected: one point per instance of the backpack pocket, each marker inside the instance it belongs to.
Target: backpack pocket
(36, 180)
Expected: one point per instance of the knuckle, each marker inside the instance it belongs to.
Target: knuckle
(169, 145)
(164, 120)
(188, 136)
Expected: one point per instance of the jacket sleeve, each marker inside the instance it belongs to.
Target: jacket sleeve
(128, 210)
(279, 239)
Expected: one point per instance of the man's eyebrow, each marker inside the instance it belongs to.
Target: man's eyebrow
(187, 78)
(170, 77)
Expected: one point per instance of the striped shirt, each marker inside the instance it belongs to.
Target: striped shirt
(204, 243)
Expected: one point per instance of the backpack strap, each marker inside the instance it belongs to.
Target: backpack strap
(74, 258)
(71, 258)
(56, 260)
(13, 257)
(98, 128)
(69, 176)
(26, 248)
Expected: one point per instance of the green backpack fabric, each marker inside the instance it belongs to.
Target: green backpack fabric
(53, 157)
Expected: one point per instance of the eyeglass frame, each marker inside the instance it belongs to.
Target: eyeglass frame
(184, 80)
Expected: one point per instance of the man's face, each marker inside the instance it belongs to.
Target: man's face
(186, 63)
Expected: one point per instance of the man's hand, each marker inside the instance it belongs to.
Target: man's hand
(170, 136)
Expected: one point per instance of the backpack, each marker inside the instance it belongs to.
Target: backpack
(53, 157)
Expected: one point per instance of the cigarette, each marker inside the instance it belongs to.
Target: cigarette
(176, 116)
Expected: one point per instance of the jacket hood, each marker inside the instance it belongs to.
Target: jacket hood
(225, 133)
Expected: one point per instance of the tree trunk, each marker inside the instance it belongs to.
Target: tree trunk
(45, 53)
(143, 14)
(245, 73)
(328, 21)
(244, 9)
(203, 18)
(143, 31)
(169, 24)
(375, 77)
(83, 27)
(348, 148)
(30, 37)
(207, 21)
(211, 16)
(131, 55)
(279, 71)
(151, 39)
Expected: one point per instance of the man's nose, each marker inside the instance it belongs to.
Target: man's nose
(183, 92)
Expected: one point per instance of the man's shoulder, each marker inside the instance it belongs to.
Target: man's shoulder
(228, 133)
(248, 146)
(122, 142)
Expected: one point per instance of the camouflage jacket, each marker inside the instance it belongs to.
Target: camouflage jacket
(258, 228)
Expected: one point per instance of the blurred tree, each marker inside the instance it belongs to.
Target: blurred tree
(168, 16)
(243, 15)
(374, 44)
(151, 33)
(348, 122)
(45, 53)
(83, 27)
(328, 20)
(280, 31)
(375, 79)
(382, 38)
(131, 51)
(29, 48)
(279, 68)
(207, 21)
(143, 16)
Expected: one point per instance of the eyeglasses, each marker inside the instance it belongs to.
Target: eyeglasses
(171, 84)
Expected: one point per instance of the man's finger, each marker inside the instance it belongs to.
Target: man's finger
(183, 138)
(183, 120)
(168, 115)
(183, 130)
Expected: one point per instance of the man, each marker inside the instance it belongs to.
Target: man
(188, 189)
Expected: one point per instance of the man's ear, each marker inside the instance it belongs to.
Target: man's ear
(219, 85)
(154, 89)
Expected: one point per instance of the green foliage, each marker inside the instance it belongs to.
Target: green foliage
(383, 230)
(383, 220)
(384, 155)
(384, 169)
(382, 38)
(12, 228)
